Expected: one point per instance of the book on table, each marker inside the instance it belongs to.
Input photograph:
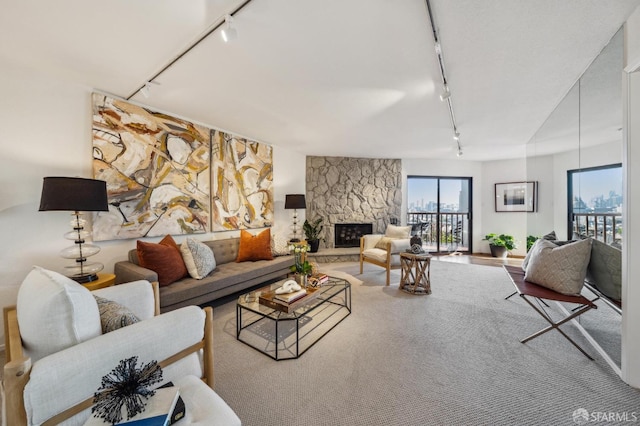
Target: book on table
(291, 297)
(317, 279)
(159, 410)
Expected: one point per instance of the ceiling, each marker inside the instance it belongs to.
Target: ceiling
(356, 78)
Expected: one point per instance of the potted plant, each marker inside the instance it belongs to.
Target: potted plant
(312, 233)
(500, 244)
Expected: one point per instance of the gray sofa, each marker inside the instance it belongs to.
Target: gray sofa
(227, 278)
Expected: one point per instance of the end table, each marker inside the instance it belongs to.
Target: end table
(416, 270)
(104, 280)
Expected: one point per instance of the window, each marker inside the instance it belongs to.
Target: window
(595, 203)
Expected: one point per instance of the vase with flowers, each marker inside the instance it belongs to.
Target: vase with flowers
(301, 267)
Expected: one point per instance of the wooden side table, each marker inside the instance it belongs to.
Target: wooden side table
(104, 280)
(415, 277)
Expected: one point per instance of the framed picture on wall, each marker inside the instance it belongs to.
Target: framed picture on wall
(516, 196)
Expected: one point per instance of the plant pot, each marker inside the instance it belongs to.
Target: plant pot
(314, 244)
(498, 251)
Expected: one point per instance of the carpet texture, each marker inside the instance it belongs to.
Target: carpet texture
(452, 357)
(449, 358)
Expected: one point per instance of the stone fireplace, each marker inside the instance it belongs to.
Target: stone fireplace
(348, 191)
(348, 234)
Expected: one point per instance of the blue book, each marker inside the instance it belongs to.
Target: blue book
(158, 410)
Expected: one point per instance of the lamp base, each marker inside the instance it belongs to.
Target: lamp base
(84, 278)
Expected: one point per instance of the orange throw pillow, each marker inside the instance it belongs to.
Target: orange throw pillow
(164, 258)
(254, 247)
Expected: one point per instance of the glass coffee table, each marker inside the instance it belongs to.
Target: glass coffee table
(286, 332)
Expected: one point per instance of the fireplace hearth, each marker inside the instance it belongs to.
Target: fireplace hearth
(348, 234)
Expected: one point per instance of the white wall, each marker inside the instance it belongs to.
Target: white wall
(45, 130)
(512, 223)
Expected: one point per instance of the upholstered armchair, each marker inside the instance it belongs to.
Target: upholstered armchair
(57, 352)
(384, 249)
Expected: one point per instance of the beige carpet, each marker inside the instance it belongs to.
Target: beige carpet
(449, 358)
(452, 357)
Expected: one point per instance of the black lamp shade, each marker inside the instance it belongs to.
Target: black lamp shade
(294, 201)
(74, 194)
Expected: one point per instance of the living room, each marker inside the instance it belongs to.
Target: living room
(47, 115)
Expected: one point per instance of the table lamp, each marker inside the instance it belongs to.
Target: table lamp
(295, 202)
(76, 195)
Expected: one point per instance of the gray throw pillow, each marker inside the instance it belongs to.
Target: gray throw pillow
(559, 268)
(605, 270)
(113, 315)
(198, 258)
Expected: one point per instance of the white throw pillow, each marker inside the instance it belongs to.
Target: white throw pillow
(54, 313)
(559, 268)
(198, 257)
(394, 231)
(279, 246)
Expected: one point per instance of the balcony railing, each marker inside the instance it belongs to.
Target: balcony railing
(606, 227)
(441, 231)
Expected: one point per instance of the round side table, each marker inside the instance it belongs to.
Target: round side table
(415, 277)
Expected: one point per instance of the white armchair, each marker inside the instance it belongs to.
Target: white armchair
(52, 380)
(384, 250)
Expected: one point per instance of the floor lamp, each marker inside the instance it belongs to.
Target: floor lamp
(295, 202)
(76, 195)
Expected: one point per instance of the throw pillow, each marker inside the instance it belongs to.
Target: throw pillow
(164, 258)
(384, 243)
(394, 231)
(54, 313)
(113, 315)
(551, 236)
(254, 247)
(605, 269)
(559, 268)
(198, 257)
(279, 246)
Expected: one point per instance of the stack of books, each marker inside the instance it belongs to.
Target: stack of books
(317, 280)
(162, 409)
(291, 297)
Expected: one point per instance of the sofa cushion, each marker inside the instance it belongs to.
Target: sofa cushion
(254, 247)
(113, 315)
(394, 231)
(198, 258)
(54, 313)
(225, 275)
(164, 258)
(559, 268)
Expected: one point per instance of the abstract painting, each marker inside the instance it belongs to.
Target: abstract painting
(242, 188)
(157, 170)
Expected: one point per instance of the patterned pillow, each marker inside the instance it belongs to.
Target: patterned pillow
(559, 268)
(279, 246)
(113, 315)
(383, 243)
(198, 257)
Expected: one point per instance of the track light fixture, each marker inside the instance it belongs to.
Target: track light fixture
(456, 136)
(445, 94)
(228, 33)
(146, 89)
(459, 153)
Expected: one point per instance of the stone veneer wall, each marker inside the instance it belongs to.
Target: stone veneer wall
(353, 190)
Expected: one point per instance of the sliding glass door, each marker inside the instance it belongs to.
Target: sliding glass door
(439, 211)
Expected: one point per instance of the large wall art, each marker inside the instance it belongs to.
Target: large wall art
(242, 192)
(157, 170)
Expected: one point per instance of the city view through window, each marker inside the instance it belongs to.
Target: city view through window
(596, 206)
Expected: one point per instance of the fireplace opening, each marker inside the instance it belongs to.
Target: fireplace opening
(348, 234)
